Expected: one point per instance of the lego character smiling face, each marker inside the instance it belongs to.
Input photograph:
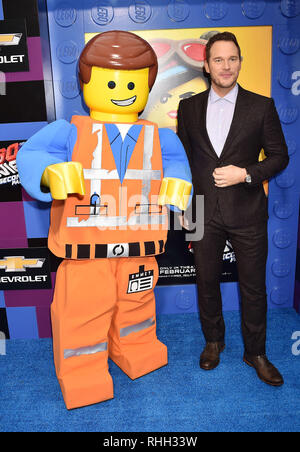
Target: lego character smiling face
(117, 70)
(116, 92)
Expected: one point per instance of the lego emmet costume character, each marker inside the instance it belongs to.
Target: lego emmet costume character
(110, 176)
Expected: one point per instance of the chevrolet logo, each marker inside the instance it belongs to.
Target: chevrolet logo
(10, 39)
(19, 263)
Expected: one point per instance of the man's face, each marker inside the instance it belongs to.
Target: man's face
(224, 64)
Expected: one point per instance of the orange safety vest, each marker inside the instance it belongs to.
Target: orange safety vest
(112, 219)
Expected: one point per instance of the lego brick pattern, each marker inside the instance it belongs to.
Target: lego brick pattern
(68, 22)
(27, 313)
(297, 276)
(24, 100)
(23, 313)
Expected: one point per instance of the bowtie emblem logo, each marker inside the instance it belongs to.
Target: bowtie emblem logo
(20, 263)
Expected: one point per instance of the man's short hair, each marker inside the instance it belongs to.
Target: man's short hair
(225, 36)
(119, 50)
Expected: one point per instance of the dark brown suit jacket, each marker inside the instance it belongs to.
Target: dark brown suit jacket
(255, 125)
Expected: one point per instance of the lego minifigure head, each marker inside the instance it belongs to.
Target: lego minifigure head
(117, 69)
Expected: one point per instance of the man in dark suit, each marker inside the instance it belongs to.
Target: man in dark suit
(223, 130)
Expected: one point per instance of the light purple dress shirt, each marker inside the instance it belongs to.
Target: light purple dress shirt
(219, 117)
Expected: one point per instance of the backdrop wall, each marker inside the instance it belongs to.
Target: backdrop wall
(47, 89)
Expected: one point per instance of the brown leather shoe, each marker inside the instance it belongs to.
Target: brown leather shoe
(210, 357)
(264, 369)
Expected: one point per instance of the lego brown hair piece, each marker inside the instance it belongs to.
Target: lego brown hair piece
(117, 50)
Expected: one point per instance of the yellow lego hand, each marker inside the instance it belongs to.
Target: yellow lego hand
(175, 191)
(63, 179)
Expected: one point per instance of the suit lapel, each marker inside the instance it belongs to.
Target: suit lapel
(202, 111)
(241, 111)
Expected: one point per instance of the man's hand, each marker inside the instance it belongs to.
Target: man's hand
(229, 175)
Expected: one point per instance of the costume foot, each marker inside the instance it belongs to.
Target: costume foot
(137, 360)
(82, 390)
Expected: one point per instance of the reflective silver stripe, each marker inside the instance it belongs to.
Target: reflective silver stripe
(146, 219)
(138, 327)
(148, 152)
(68, 353)
(95, 174)
(97, 161)
(143, 174)
(106, 222)
(131, 174)
(98, 173)
(96, 221)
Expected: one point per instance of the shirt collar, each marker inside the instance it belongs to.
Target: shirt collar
(230, 97)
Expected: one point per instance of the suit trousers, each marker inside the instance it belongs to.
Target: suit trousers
(250, 244)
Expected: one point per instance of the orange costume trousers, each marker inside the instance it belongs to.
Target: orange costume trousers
(102, 309)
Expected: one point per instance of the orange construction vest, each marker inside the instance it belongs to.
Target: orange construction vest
(112, 219)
